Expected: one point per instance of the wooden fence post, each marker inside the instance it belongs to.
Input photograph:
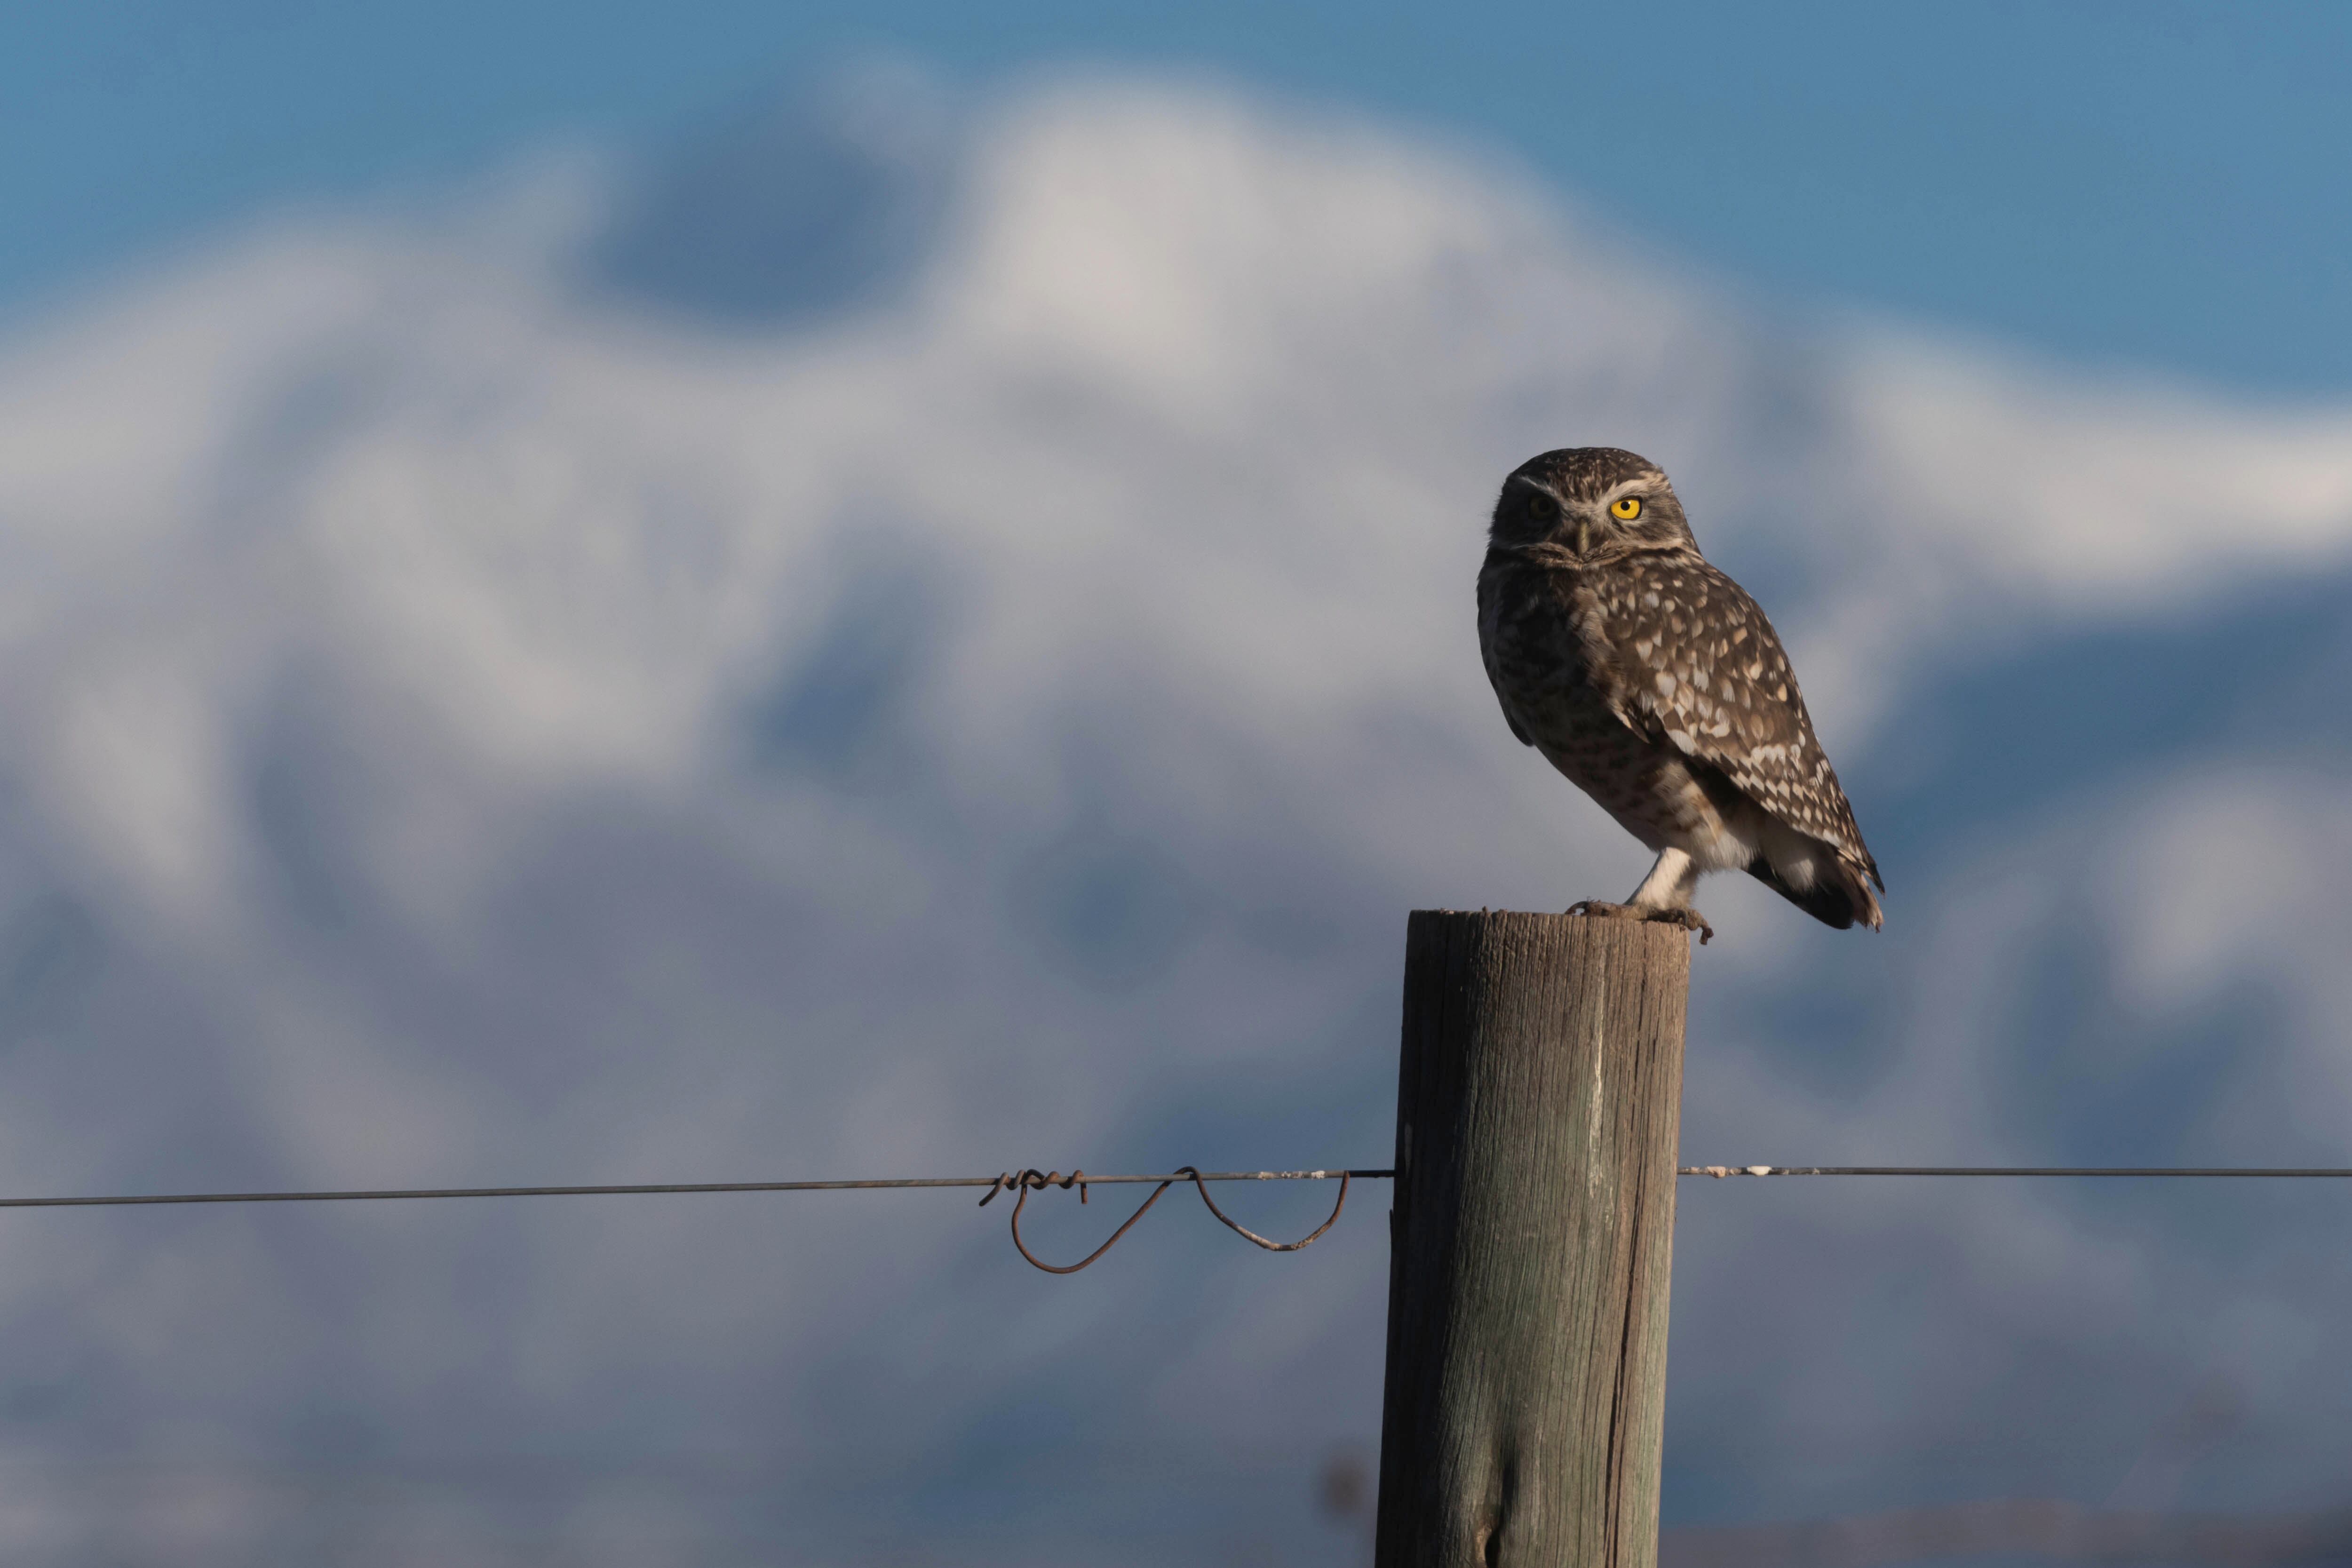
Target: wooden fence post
(1538, 1100)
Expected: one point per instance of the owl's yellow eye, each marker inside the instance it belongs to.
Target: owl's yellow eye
(1626, 510)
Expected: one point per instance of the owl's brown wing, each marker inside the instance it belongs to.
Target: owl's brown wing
(1697, 665)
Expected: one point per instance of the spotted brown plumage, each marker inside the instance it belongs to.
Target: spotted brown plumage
(1657, 686)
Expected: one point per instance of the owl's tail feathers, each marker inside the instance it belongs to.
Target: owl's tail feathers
(1839, 895)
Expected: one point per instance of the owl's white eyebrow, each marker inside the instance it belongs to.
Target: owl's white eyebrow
(1538, 487)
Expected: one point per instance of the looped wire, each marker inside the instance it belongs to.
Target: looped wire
(1310, 1237)
(1031, 1180)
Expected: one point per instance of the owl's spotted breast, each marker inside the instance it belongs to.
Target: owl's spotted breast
(1546, 633)
(1542, 633)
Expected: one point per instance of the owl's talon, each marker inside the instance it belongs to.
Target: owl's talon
(1596, 909)
(1688, 919)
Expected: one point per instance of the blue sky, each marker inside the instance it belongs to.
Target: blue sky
(2149, 185)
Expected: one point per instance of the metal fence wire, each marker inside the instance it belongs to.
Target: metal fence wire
(1029, 1180)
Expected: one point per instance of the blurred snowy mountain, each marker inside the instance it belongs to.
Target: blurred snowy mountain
(919, 636)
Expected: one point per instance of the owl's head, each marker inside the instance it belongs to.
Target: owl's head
(1597, 503)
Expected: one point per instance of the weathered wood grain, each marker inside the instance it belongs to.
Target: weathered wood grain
(1538, 1100)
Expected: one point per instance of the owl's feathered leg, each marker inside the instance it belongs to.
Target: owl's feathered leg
(1664, 896)
(1672, 883)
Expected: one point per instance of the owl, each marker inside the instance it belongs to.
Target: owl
(1654, 682)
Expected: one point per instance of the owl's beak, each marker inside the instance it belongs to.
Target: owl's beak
(1583, 534)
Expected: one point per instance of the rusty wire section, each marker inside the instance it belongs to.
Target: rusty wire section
(1024, 1182)
(638, 1189)
(1034, 1180)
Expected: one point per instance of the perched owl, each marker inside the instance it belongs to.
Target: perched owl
(1655, 683)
